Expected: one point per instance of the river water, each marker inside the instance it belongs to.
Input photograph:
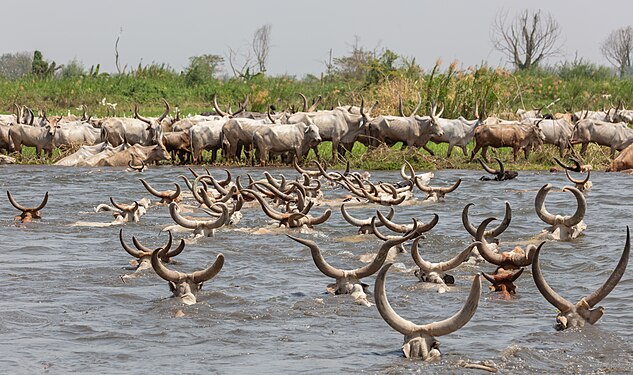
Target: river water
(65, 309)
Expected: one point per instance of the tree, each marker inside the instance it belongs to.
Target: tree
(202, 68)
(356, 65)
(527, 39)
(15, 65)
(261, 46)
(73, 68)
(618, 47)
(42, 68)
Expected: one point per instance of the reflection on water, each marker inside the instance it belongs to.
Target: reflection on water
(66, 309)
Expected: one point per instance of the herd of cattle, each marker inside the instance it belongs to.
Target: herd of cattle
(118, 141)
(288, 202)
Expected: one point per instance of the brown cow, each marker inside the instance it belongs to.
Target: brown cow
(624, 161)
(178, 143)
(507, 135)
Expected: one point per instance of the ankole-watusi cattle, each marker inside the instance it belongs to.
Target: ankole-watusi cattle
(563, 228)
(515, 135)
(28, 214)
(296, 138)
(413, 131)
(185, 285)
(348, 280)
(577, 315)
(420, 340)
(616, 136)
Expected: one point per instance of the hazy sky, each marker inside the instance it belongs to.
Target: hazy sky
(302, 33)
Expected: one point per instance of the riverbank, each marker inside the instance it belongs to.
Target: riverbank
(384, 158)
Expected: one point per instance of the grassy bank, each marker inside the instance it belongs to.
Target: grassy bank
(500, 92)
(384, 158)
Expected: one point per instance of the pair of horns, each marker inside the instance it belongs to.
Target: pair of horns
(27, 209)
(550, 219)
(594, 298)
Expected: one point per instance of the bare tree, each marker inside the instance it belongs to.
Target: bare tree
(239, 63)
(528, 39)
(618, 47)
(261, 46)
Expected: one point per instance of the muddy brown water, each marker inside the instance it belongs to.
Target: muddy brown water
(65, 309)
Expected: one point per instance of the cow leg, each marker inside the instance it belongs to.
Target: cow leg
(428, 149)
(612, 152)
(474, 152)
(334, 151)
(465, 150)
(583, 149)
(484, 153)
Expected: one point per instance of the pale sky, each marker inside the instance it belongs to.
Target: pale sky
(302, 32)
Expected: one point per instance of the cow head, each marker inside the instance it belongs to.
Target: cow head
(419, 340)
(503, 281)
(561, 227)
(576, 315)
(28, 214)
(185, 285)
(434, 126)
(158, 153)
(311, 136)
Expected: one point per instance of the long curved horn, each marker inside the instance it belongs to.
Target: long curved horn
(400, 228)
(484, 250)
(578, 182)
(550, 295)
(501, 168)
(320, 219)
(162, 117)
(273, 214)
(164, 272)
(427, 266)
(217, 107)
(314, 105)
(304, 171)
(613, 280)
(411, 175)
(392, 318)
(450, 189)
(441, 328)
(133, 252)
(160, 194)
(174, 211)
(486, 167)
(210, 272)
(352, 220)
(575, 168)
(400, 109)
(122, 208)
(539, 205)
(305, 102)
(380, 258)
(141, 247)
(460, 318)
(507, 218)
(319, 261)
(577, 217)
(417, 108)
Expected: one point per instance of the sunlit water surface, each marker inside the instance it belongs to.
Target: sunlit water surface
(65, 308)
